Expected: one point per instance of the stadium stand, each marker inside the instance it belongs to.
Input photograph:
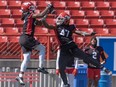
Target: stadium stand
(5, 13)
(3, 4)
(14, 4)
(73, 5)
(92, 14)
(88, 15)
(7, 22)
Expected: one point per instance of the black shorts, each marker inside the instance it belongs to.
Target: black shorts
(27, 42)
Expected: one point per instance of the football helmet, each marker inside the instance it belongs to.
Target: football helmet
(28, 7)
(63, 18)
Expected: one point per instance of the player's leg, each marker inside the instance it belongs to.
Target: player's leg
(96, 77)
(63, 61)
(90, 75)
(24, 65)
(41, 49)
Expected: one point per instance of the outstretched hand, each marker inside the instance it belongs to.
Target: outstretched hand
(93, 33)
(51, 8)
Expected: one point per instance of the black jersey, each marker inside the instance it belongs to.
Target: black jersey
(29, 24)
(64, 33)
(95, 53)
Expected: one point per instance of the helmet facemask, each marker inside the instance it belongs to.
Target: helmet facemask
(63, 19)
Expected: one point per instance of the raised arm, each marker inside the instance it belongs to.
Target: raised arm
(49, 26)
(84, 33)
(47, 10)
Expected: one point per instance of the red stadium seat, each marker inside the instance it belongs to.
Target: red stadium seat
(113, 5)
(19, 22)
(40, 30)
(13, 39)
(92, 14)
(82, 23)
(96, 23)
(113, 31)
(3, 39)
(79, 40)
(59, 4)
(60, 11)
(110, 23)
(5, 13)
(107, 14)
(3, 44)
(7, 22)
(11, 31)
(78, 14)
(102, 5)
(14, 4)
(73, 5)
(3, 4)
(16, 13)
(42, 4)
(51, 21)
(88, 5)
(89, 30)
(102, 31)
(1, 31)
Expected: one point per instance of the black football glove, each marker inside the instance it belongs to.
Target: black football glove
(51, 8)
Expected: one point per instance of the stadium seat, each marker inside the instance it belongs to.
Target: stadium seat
(3, 39)
(51, 21)
(60, 11)
(113, 31)
(102, 5)
(73, 5)
(92, 14)
(41, 30)
(79, 40)
(96, 23)
(89, 30)
(82, 23)
(59, 4)
(14, 4)
(13, 39)
(88, 5)
(110, 23)
(3, 44)
(7, 22)
(52, 32)
(11, 31)
(113, 5)
(3, 4)
(19, 22)
(102, 31)
(78, 14)
(1, 31)
(5, 13)
(16, 13)
(42, 4)
(107, 14)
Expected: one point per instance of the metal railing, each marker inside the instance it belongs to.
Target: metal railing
(31, 78)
